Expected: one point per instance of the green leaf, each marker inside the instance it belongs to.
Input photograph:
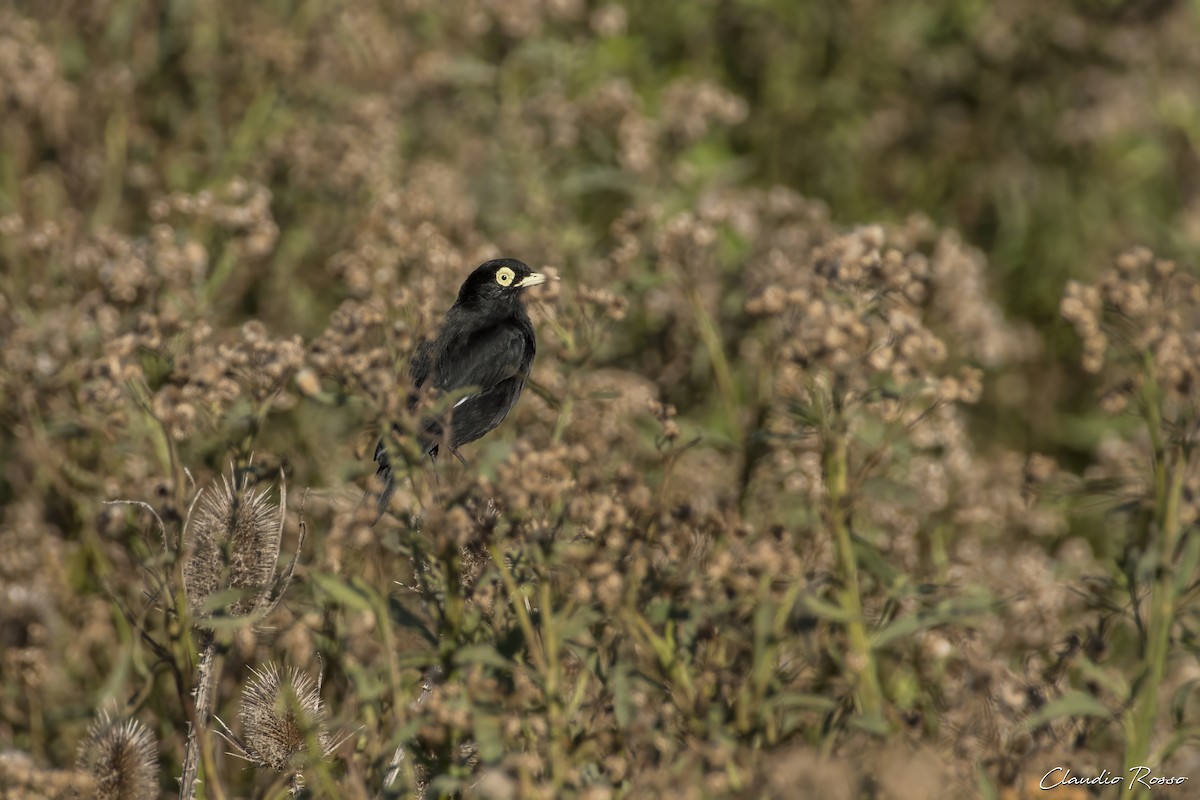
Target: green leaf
(1176, 740)
(218, 601)
(417, 660)
(658, 611)
(1072, 704)
(825, 609)
(873, 724)
(469, 71)
(482, 654)
(227, 623)
(943, 614)
(404, 617)
(1110, 682)
(445, 785)
(987, 789)
(488, 738)
(156, 366)
(1180, 699)
(356, 593)
(764, 616)
(874, 562)
(577, 624)
(622, 696)
(588, 180)
(801, 700)
(1188, 560)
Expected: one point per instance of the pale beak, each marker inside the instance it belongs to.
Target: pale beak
(532, 279)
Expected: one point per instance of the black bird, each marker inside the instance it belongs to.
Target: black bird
(486, 346)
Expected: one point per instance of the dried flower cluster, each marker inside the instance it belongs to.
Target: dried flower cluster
(1140, 327)
(34, 92)
(858, 310)
(1141, 307)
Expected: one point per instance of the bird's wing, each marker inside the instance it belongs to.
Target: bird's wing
(483, 359)
(422, 360)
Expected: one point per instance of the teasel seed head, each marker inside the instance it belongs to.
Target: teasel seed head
(280, 715)
(122, 757)
(231, 543)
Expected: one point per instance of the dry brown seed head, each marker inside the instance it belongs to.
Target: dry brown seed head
(231, 542)
(122, 757)
(279, 714)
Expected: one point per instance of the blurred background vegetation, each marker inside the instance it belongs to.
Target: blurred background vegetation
(293, 189)
(1050, 135)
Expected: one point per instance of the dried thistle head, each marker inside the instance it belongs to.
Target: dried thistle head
(122, 757)
(231, 542)
(280, 716)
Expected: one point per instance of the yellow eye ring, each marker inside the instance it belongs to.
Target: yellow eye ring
(505, 276)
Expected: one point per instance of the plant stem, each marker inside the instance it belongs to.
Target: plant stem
(1140, 723)
(201, 712)
(861, 661)
(519, 605)
(711, 338)
(553, 683)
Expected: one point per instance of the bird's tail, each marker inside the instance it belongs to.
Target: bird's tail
(386, 480)
(384, 473)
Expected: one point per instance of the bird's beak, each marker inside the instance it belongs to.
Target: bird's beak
(532, 279)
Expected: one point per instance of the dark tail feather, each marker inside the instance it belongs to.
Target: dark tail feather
(387, 480)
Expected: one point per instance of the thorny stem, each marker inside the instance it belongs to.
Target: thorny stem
(202, 709)
(400, 762)
(861, 660)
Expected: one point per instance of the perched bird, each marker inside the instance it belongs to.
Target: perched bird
(486, 346)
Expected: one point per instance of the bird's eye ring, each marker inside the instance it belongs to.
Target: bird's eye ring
(504, 276)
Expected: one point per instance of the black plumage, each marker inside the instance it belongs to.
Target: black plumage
(486, 346)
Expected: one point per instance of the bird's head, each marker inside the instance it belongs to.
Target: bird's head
(498, 283)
